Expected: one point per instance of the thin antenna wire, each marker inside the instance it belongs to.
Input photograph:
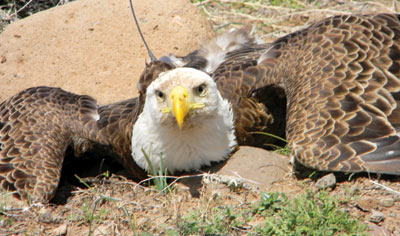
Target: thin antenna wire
(152, 57)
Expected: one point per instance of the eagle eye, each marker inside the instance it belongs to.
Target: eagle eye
(201, 90)
(160, 95)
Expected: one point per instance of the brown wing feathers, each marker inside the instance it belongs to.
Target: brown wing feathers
(341, 79)
(115, 125)
(256, 108)
(340, 84)
(38, 124)
(36, 127)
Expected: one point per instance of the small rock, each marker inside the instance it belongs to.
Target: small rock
(386, 202)
(102, 230)
(393, 214)
(376, 216)
(60, 230)
(377, 230)
(365, 205)
(355, 189)
(2, 223)
(45, 216)
(326, 181)
(142, 221)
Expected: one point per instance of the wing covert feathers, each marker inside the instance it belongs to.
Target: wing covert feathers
(341, 78)
(115, 125)
(36, 126)
(341, 81)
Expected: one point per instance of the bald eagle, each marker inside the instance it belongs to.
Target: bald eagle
(332, 89)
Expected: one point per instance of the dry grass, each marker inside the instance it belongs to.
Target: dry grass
(122, 208)
(276, 18)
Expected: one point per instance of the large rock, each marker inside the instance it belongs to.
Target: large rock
(254, 166)
(249, 167)
(92, 46)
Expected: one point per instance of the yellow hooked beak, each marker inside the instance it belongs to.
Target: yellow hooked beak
(180, 104)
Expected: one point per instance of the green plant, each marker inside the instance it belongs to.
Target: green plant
(306, 214)
(158, 176)
(268, 202)
(219, 220)
(283, 150)
(294, 4)
(278, 149)
(88, 214)
(309, 214)
(131, 223)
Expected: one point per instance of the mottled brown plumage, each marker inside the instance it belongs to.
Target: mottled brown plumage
(35, 131)
(339, 79)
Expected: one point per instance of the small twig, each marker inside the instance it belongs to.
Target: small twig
(206, 11)
(18, 232)
(19, 10)
(241, 228)
(384, 187)
(10, 215)
(314, 12)
(300, 3)
(129, 183)
(378, 4)
(247, 16)
(276, 8)
(241, 178)
(80, 191)
(395, 6)
(201, 3)
(94, 180)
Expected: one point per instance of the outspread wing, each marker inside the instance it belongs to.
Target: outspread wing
(341, 81)
(36, 127)
(38, 124)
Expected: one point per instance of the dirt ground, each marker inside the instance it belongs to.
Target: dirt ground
(92, 46)
(114, 204)
(114, 201)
